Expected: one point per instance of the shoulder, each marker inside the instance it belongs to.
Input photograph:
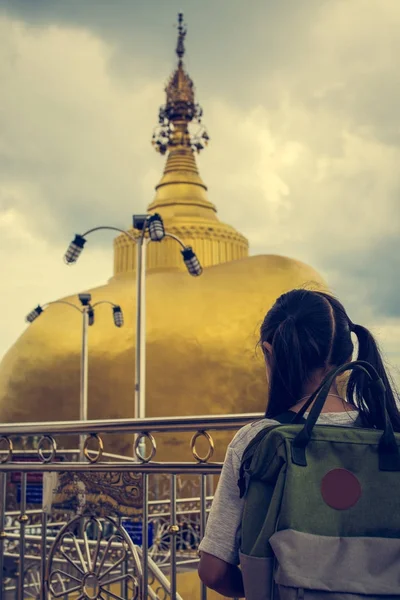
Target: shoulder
(244, 436)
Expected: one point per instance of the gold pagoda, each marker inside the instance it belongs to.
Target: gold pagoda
(201, 333)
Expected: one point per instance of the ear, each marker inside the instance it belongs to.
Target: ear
(267, 347)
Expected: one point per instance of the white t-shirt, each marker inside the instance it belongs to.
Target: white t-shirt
(222, 536)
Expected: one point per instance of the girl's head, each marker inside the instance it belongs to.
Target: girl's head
(307, 333)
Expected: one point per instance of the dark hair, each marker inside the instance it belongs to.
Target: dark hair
(310, 330)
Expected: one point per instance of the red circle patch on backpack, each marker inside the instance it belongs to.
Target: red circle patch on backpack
(340, 489)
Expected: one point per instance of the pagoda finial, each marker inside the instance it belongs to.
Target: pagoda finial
(180, 108)
(180, 47)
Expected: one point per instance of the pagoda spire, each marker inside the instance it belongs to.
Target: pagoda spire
(181, 195)
(180, 46)
(180, 108)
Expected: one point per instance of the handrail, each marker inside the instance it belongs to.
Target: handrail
(133, 467)
(165, 501)
(159, 424)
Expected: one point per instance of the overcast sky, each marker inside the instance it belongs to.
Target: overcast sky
(301, 100)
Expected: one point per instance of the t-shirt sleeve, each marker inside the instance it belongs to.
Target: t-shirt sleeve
(222, 535)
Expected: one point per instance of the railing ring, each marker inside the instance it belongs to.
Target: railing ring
(89, 453)
(52, 450)
(206, 458)
(151, 455)
(8, 456)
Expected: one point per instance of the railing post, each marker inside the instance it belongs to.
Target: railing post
(3, 498)
(43, 555)
(83, 403)
(145, 537)
(173, 531)
(23, 518)
(203, 517)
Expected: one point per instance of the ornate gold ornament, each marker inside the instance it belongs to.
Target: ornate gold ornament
(153, 450)
(52, 450)
(180, 108)
(93, 456)
(5, 457)
(87, 565)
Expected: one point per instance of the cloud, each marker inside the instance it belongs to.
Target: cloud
(74, 153)
(32, 273)
(74, 142)
(301, 104)
(313, 173)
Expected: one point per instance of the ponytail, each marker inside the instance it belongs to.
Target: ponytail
(358, 389)
(287, 368)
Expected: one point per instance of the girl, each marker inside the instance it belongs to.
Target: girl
(303, 336)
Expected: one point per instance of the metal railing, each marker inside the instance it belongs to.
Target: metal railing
(110, 526)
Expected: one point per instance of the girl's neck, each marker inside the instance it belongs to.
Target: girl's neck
(314, 382)
(334, 402)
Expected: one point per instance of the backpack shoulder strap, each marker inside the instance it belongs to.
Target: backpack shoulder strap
(287, 418)
(283, 419)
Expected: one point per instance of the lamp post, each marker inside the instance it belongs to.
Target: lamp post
(87, 312)
(152, 225)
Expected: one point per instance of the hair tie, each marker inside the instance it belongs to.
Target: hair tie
(352, 326)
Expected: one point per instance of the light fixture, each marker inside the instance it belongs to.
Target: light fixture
(34, 314)
(74, 249)
(118, 316)
(156, 228)
(90, 313)
(191, 261)
(139, 221)
(85, 298)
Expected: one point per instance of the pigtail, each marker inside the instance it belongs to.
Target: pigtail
(358, 389)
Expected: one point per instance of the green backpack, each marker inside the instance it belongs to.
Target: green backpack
(321, 516)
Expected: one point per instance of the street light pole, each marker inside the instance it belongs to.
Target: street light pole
(140, 386)
(71, 256)
(87, 312)
(83, 405)
(152, 224)
(84, 366)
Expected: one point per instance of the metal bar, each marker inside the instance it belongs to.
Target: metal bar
(173, 537)
(3, 499)
(23, 520)
(175, 237)
(167, 424)
(129, 235)
(83, 412)
(83, 405)
(103, 302)
(43, 553)
(38, 511)
(59, 561)
(34, 453)
(134, 467)
(124, 583)
(139, 248)
(203, 519)
(61, 302)
(56, 524)
(145, 538)
(160, 577)
(142, 349)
